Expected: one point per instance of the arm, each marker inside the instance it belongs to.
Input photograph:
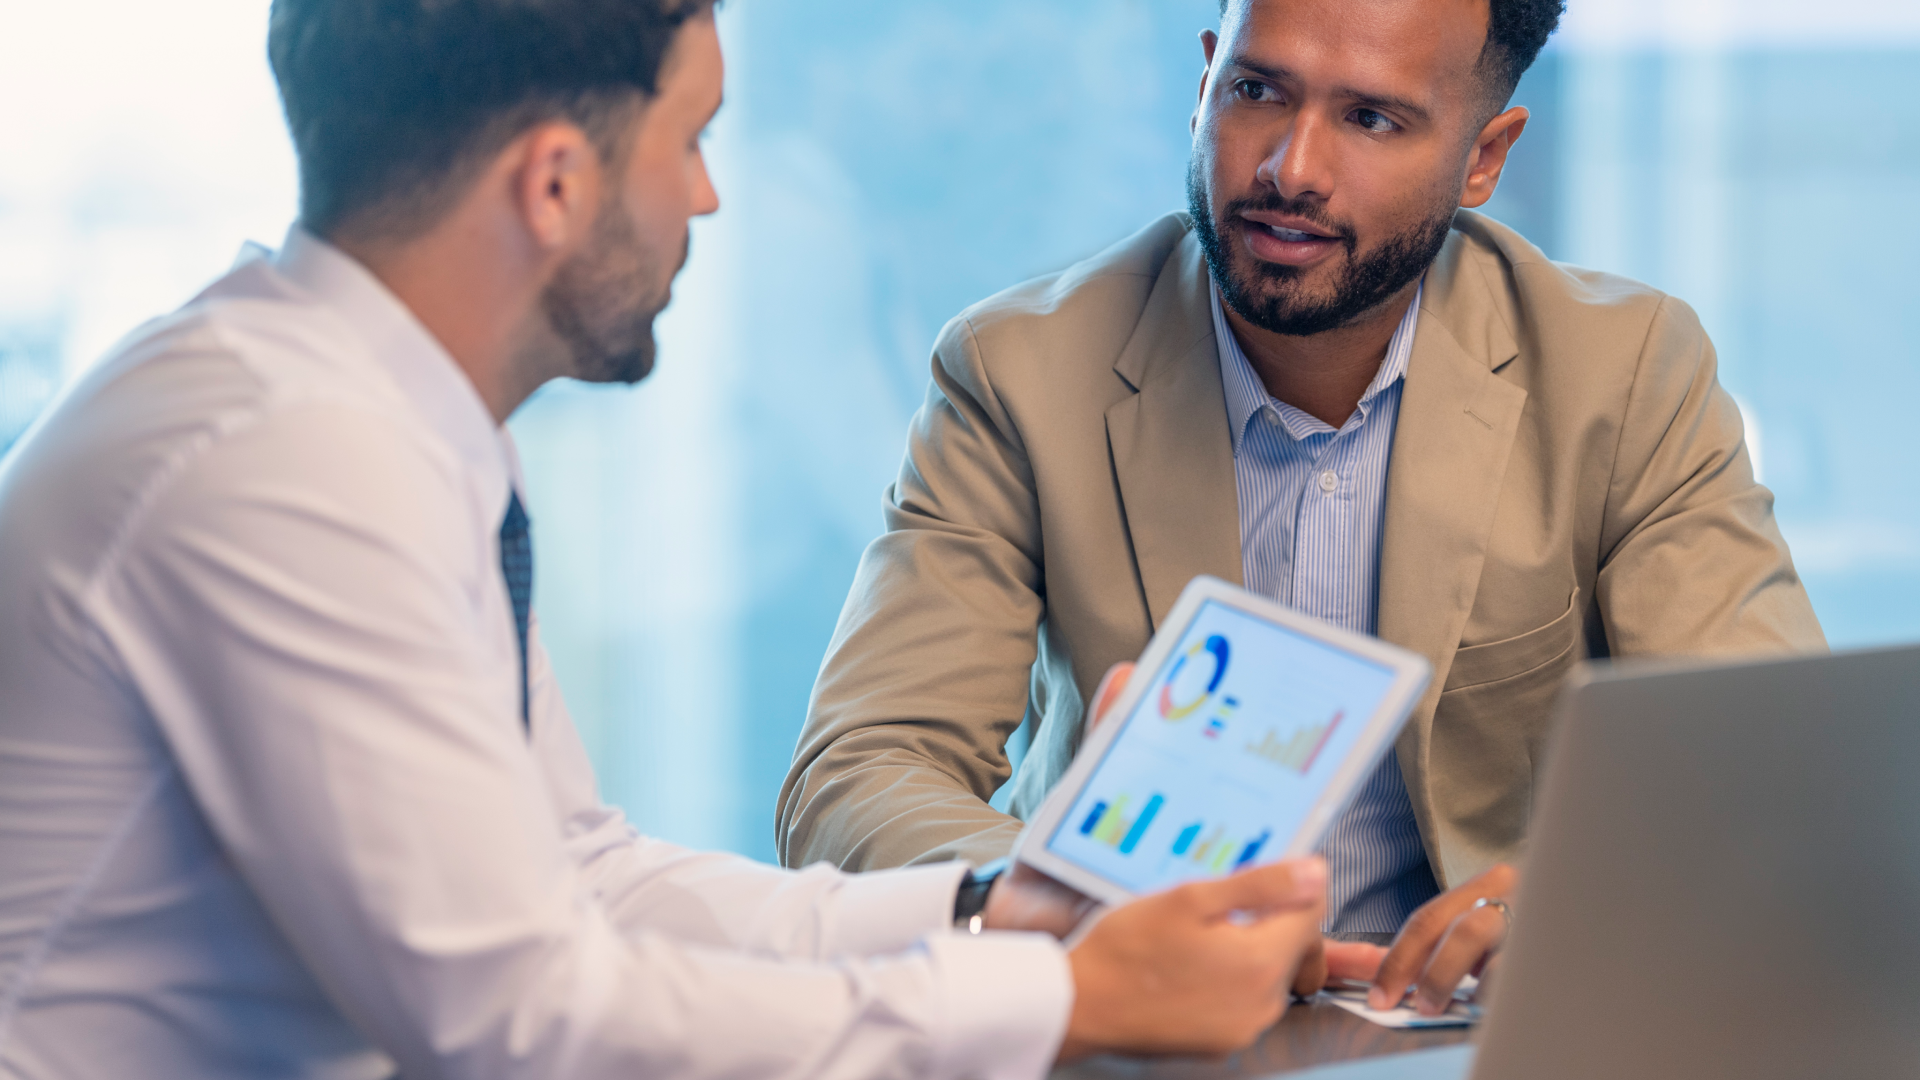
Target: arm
(1692, 562)
(721, 899)
(316, 663)
(927, 674)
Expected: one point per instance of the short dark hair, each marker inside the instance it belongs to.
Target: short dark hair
(393, 104)
(1516, 32)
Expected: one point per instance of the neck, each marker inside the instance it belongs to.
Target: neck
(474, 293)
(1323, 375)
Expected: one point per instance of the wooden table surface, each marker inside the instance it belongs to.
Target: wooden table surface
(1312, 1033)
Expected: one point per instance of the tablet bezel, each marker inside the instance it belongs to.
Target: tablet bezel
(1411, 674)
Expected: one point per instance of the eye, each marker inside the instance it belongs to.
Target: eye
(1373, 121)
(1255, 91)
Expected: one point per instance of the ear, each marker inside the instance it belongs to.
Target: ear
(557, 186)
(1489, 157)
(1209, 41)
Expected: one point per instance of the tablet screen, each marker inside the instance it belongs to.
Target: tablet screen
(1219, 763)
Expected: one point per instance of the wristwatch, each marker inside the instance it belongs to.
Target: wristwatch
(971, 900)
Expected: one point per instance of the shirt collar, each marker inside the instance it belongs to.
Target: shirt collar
(1247, 396)
(427, 375)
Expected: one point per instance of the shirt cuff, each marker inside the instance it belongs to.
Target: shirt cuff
(889, 911)
(1008, 997)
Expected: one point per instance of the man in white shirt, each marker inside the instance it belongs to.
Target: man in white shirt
(286, 785)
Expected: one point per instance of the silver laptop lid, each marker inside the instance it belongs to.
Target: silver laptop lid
(1723, 878)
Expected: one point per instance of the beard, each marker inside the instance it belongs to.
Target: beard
(1276, 298)
(592, 305)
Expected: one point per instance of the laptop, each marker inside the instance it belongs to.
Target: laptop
(1723, 880)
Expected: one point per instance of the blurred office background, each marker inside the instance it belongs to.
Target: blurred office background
(883, 166)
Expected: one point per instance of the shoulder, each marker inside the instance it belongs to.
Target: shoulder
(225, 403)
(1555, 306)
(1082, 316)
(1573, 336)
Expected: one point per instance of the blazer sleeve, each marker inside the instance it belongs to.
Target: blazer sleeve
(927, 675)
(1692, 562)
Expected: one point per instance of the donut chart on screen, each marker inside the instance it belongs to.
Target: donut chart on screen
(1217, 765)
(1216, 647)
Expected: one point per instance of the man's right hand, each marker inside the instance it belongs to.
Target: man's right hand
(1202, 968)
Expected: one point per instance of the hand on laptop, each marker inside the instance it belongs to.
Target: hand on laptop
(1445, 941)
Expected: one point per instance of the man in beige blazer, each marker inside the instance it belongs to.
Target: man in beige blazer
(1567, 478)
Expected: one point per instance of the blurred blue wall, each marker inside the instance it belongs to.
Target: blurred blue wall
(879, 172)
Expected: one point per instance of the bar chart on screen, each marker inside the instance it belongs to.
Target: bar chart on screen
(1110, 824)
(1217, 852)
(1221, 757)
(1297, 749)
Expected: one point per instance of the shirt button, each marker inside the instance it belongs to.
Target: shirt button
(1329, 483)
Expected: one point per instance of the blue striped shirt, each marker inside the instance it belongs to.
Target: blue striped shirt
(1311, 506)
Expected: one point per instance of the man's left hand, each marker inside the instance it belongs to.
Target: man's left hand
(1444, 942)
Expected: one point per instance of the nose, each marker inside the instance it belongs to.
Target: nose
(706, 199)
(1300, 163)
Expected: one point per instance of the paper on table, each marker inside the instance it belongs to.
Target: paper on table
(1460, 1013)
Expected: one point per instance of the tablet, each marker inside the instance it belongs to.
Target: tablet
(1244, 731)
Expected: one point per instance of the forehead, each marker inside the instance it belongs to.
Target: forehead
(1407, 47)
(691, 78)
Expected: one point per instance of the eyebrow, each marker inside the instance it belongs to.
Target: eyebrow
(1280, 74)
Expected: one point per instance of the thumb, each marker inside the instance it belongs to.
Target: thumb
(1108, 692)
(1289, 885)
(1353, 961)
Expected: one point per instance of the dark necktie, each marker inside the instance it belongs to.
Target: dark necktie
(516, 562)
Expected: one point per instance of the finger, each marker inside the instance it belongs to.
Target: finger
(1411, 951)
(1313, 970)
(1489, 968)
(1291, 942)
(1413, 948)
(1288, 885)
(1108, 692)
(1470, 939)
(1354, 961)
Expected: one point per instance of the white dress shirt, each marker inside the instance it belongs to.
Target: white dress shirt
(267, 807)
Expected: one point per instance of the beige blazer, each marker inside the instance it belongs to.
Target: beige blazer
(1568, 479)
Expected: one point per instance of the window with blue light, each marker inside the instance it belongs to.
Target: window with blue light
(881, 168)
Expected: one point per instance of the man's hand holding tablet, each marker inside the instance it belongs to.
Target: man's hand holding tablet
(1223, 931)
(1185, 971)
(1237, 740)
(1202, 968)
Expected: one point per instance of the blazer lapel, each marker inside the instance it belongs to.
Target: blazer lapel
(1457, 425)
(1172, 452)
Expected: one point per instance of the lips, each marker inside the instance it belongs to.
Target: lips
(1291, 243)
(1291, 236)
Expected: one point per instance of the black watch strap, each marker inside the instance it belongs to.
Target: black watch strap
(971, 900)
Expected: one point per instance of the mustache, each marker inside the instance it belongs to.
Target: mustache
(1312, 210)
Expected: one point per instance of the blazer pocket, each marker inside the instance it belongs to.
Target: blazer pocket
(1498, 660)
